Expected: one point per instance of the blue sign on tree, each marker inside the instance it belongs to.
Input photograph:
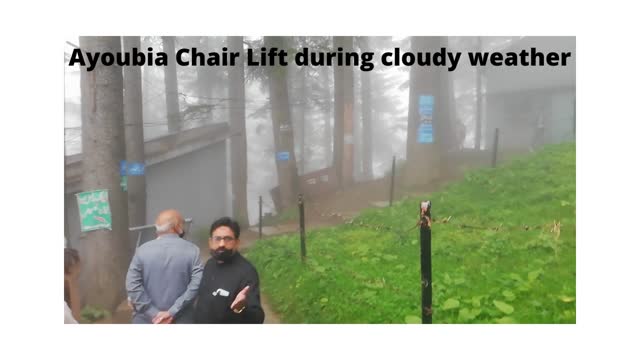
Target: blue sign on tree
(135, 169)
(283, 156)
(425, 106)
(425, 117)
(425, 133)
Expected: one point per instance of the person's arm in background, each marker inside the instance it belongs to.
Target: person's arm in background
(252, 313)
(135, 289)
(192, 289)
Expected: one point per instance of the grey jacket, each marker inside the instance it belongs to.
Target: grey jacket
(164, 275)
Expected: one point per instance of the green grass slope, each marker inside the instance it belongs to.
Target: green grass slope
(487, 267)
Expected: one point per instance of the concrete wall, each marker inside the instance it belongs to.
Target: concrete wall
(195, 184)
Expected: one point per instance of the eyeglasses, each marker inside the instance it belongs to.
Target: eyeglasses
(224, 238)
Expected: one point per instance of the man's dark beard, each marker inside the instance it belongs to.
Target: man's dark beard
(223, 254)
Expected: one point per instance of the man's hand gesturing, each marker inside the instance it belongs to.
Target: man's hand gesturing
(240, 301)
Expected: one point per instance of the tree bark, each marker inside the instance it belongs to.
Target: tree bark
(339, 114)
(302, 107)
(238, 131)
(205, 82)
(348, 84)
(424, 161)
(297, 97)
(174, 118)
(105, 254)
(367, 151)
(134, 136)
(282, 127)
(478, 137)
(328, 102)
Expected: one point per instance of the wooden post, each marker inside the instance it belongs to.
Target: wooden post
(260, 217)
(393, 175)
(425, 261)
(494, 160)
(303, 237)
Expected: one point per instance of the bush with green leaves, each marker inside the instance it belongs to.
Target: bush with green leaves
(503, 251)
(93, 313)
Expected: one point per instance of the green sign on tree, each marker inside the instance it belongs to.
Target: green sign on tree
(94, 210)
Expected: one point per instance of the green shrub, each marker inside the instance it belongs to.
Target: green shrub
(92, 314)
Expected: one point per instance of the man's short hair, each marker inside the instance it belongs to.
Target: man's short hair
(228, 222)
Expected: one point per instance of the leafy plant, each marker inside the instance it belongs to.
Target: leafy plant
(93, 313)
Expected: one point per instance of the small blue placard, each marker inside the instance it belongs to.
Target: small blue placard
(123, 167)
(283, 156)
(425, 106)
(425, 133)
(135, 169)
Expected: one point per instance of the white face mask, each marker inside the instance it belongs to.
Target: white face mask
(163, 228)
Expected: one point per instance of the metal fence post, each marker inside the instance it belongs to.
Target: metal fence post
(425, 261)
(303, 237)
(495, 148)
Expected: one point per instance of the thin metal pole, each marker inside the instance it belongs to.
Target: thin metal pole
(495, 148)
(303, 236)
(425, 261)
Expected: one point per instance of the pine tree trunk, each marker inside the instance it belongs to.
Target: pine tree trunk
(424, 160)
(478, 101)
(328, 101)
(105, 254)
(282, 127)
(367, 150)
(174, 119)
(238, 131)
(348, 83)
(204, 84)
(134, 136)
(338, 123)
(295, 89)
(301, 107)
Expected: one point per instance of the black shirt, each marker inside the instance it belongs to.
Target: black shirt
(221, 283)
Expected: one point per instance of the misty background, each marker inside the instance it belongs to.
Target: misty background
(203, 99)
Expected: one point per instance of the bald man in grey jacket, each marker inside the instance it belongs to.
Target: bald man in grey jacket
(164, 275)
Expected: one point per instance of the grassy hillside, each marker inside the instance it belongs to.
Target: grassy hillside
(487, 267)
